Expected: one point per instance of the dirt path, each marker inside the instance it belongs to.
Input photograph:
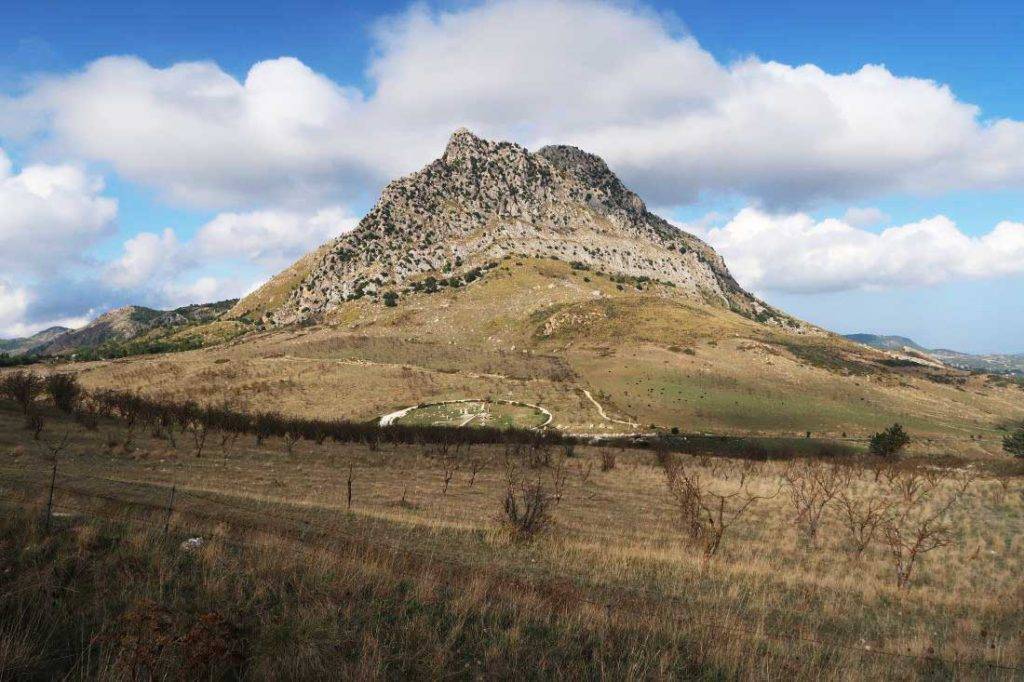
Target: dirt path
(603, 414)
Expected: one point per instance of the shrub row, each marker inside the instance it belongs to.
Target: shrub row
(162, 413)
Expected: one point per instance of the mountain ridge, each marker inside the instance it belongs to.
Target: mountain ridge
(999, 363)
(115, 326)
(482, 201)
(27, 345)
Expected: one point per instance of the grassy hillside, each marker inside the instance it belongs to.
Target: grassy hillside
(543, 332)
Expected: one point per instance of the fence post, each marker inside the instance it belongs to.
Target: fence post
(350, 486)
(170, 508)
(49, 502)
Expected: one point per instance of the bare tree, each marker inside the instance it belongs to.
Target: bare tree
(22, 387)
(912, 529)
(812, 486)
(862, 517)
(528, 502)
(705, 514)
(608, 460)
(449, 465)
(475, 465)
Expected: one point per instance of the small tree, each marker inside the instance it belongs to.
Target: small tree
(890, 442)
(1014, 443)
(390, 299)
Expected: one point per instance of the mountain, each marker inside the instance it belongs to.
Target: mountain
(500, 275)
(29, 344)
(994, 363)
(131, 323)
(885, 342)
(483, 201)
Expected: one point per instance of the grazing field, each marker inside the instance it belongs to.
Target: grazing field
(378, 560)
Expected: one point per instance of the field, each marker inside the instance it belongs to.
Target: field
(715, 513)
(386, 561)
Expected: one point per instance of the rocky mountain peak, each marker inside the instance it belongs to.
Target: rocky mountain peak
(483, 200)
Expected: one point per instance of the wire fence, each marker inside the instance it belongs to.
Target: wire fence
(181, 504)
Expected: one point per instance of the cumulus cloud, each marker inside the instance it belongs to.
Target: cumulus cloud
(794, 253)
(164, 270)
(272, 239)
(864, 216)
(671, 119)
(49, 215)
(13, 304)
(146, 256)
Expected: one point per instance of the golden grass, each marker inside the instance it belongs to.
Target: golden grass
(428, 585)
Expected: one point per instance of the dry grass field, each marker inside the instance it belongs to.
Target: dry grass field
(803, 576)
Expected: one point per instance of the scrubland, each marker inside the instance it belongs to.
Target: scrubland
(386, 560)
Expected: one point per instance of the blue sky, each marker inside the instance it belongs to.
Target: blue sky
(884, 199)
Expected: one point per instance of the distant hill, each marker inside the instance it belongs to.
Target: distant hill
(29, 344)
(995, 363)
(885, 342)
(132, 330)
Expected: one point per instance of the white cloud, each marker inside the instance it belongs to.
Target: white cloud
(667, 115)
(203, 289)
(49, 215)
(13, 304)
(868, 216)
(796, 254)
(163, 269)
(271, 238)
(147, 256)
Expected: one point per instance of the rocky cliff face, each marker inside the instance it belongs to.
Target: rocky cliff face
(484, 200)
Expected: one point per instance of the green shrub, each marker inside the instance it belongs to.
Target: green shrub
(1014, 443)
(64, 390)
(890, 442)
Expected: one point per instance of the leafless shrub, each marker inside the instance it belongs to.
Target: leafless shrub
(539, 454)
(449, 465)
(475, 465)
(862, 517)
(559, 473)
(584, 470)
(916, 526)
(704, 514)
(528, 503)
(812, 486)
(608, 460)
